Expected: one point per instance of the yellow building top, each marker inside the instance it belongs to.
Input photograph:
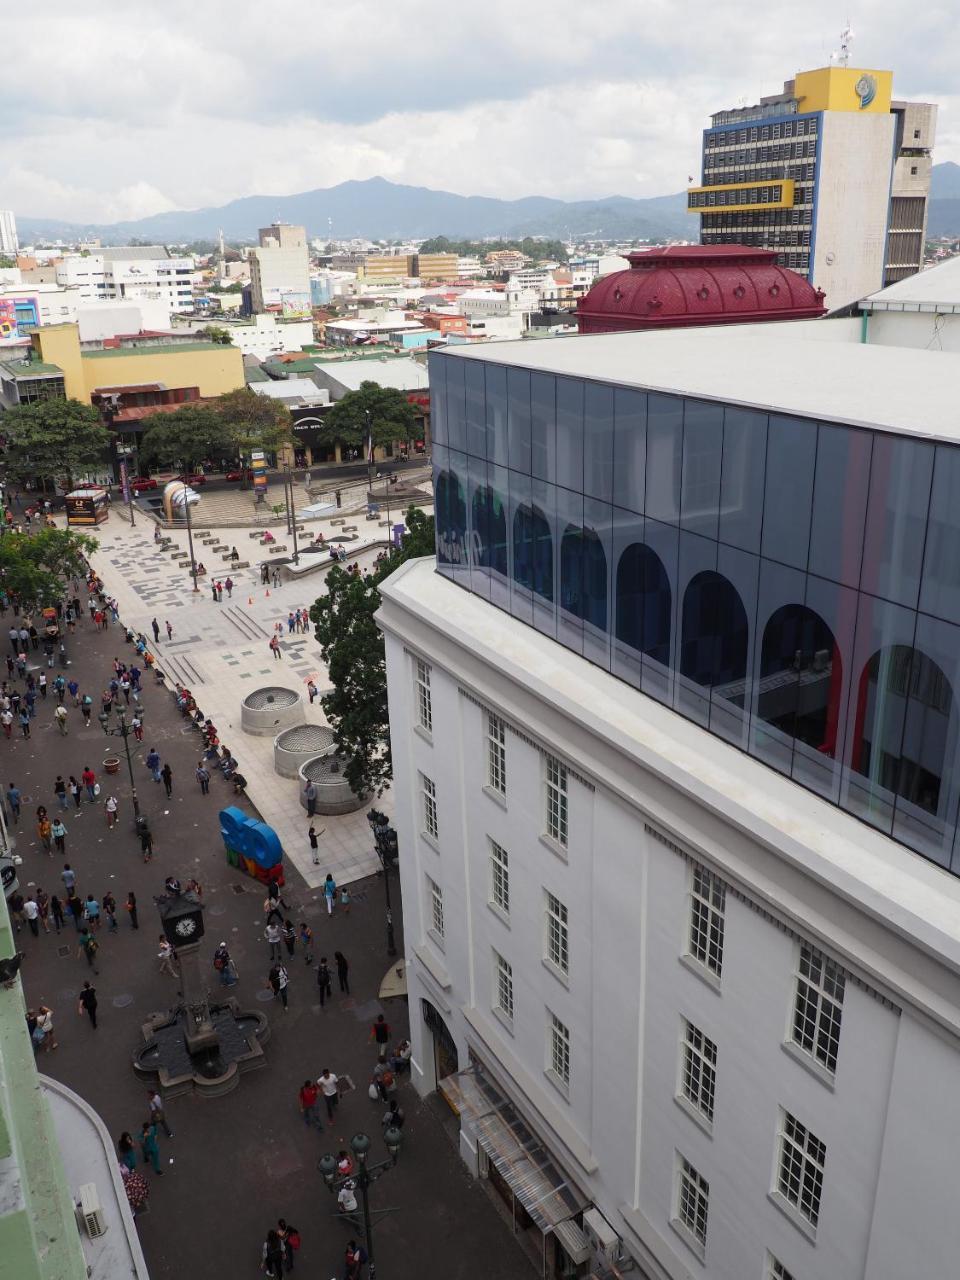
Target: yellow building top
(844, 89)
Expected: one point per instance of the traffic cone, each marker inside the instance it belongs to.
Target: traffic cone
(268, 590)
(249, 599)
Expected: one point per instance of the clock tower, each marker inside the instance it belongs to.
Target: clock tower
(181, 915)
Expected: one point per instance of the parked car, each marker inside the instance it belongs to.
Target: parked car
(142, 483)
(237, 474)
(194, 480)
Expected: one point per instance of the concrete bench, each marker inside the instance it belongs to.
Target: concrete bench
(385, 524)
(349, 528)
(242, 564)
(347, 537)
(277, 546)
(218, 546)
(201, 533)
(339, 520)
(254, 533)
(178, 555)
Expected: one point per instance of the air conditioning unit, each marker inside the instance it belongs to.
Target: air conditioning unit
(603, 1239)
(89, 1214)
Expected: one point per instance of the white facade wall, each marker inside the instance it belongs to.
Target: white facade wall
(654, 795)
(266, 336)
(168, 280)
(276, 272)
(98, 320)
(852, 204)
(922, 330)
(9, 243)
(84, 272)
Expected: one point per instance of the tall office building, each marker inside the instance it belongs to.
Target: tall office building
(675, 719)
(9, 244)
(831, 173)
(280, 272)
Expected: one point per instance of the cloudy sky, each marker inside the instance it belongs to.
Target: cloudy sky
(117, 110)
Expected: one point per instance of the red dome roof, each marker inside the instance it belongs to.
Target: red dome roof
(697, 284)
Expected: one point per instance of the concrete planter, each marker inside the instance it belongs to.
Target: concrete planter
(266, 712)
(294, 747)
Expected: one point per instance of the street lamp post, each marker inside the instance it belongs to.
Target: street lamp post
(193, 559)
(123, 731)
(367, 1174)
(371, 465)
(385, 839)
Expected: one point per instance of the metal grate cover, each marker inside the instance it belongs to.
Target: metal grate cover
(305, 737)
(260, 699)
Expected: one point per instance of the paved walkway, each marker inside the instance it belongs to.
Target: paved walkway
(220, 652)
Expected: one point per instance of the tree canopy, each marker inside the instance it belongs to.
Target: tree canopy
(353, 649)
(55, 440)
(391, 416)
(537, 250)
(231, 426)
(34, 565)
(216, 333)
(254, 422)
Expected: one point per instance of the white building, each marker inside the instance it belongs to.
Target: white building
(9, 244)
(343, 376)
(267, 335)
(675, 733)
(131, 273)
(280, 271)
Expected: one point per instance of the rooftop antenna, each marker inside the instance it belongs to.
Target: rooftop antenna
(846, 40)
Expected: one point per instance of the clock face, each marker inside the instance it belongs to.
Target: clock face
(186, 927)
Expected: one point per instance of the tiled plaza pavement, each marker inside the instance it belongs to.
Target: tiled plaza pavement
(234, 1164)
(220, 652)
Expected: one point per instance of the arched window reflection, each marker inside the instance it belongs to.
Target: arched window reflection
(904, 706)
(533, 551)
(583, 576)
(713, 632)
(451, 519)
(801, 677)
(644, 602)
(490, 527)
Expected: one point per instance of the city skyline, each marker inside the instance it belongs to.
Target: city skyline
(197, 114)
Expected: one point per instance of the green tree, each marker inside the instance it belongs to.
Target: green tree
(216, 333)
(254, 422)
(185, 438)
(384, 411)
(353, 649)
(34, 565)
(54, 440)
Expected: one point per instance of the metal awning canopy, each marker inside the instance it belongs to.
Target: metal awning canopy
(517, 1153)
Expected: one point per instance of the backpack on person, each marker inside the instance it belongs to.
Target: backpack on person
(293, 1238)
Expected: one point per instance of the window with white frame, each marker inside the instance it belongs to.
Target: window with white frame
(436, 907)
(776, 1270)
(496, 754)
(424, 704)
(499, 878)
(707, 903)
(558, 938)
(558, 1053)
(800, 1165)
(818, 1006)
(693, 1200)
(698, 1071)
(428, 792)
(556, 800)
(503, 986)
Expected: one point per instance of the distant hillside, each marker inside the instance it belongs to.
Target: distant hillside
(378, 209)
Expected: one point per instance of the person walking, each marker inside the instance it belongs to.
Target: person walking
(75, 907)
(213, 588)
(48, 1039)
(289, 1241)
(203, 777)
(146, 843)
(56, 910)
(330, 1088)
(60, 716)
(344, 899)
(131, 905)
(274, 647)
(278, 980)
(310, 795)
(274, 937)
(155, 625)
(87, 1004)
(109, 905)
(59, 833)
(69, 877)
(309, 1099)
(393, 1117)
(88, 947)
(167, 957)
(289, 935)
(229, 585)
(110, 808)
(136, 724)
(44, 830)
(330, 892)
(306, 942)
(157, 1113)
(380, 1032)
(224, 966)
(343, 971)
(91, 913)
(271, 1257)
(323, 981)
(166, 773)
(31, 913)
(314, 845)
(89, 780)
(24, 719)
(13, 803)
(153, 763)
(312, 691)
(169, 630)
(60, 791)
(150, 1147)
(76, 792)
(43, 908)
(127, 1150)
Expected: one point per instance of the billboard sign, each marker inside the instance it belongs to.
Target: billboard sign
(295, 305)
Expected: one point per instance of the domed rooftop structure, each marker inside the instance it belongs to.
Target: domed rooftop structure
(697, 284)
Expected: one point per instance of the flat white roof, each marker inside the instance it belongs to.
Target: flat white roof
(403, 375)
(932, 290)
(813, 371)
(291, 389)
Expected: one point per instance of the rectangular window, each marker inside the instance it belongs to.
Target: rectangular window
(556, 800)
(424, 704)
(818, 1005)
(800, 1167)
(693, 1200)
(503, 986)
(499, 878)
(776, 1270)
(496, 754)
(428, 791)
(707, 903)
(559, 1050)
(698, 1076)
(436, 907)
(557, 936)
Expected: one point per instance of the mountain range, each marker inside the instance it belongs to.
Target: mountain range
(382, 210)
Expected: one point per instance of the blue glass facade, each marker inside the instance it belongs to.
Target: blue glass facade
(792, 586)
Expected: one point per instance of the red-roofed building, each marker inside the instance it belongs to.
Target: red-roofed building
(697, 285)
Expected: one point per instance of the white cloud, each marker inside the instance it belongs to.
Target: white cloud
(126, 110)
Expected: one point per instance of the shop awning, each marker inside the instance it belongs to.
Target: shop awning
(517, 1153)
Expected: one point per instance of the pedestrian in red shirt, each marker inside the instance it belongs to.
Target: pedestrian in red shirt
(310, 1105)
(89, 780)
